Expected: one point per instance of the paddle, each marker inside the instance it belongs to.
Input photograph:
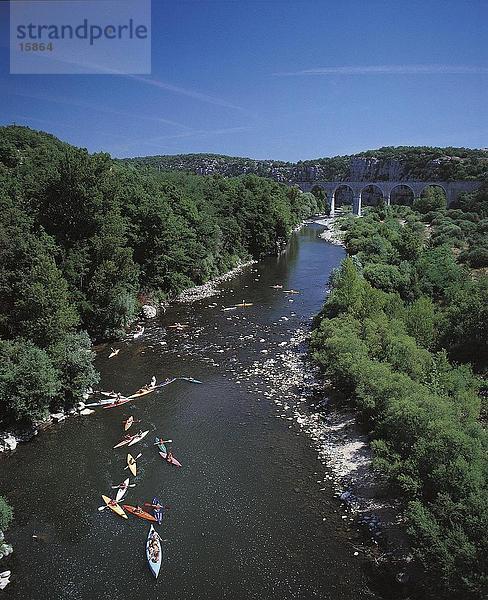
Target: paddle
(117, 487)
(138, 456)
(155, 506)
(163, 442)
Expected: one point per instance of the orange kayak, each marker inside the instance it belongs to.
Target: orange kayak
(142, 514)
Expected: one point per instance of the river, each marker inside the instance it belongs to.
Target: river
(254, 514)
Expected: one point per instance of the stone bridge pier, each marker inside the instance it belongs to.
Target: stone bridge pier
(452, 189)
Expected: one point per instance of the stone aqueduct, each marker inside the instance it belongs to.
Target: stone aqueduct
(452, 189)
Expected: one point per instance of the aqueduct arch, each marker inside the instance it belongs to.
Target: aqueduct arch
(402, 194)
(452, 189)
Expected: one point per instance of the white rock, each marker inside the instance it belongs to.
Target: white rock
(58, 417)
(10, 442)
(149, 311)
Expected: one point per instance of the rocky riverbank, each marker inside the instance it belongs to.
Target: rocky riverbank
(332, 233)
(343, 449)
(210, 288)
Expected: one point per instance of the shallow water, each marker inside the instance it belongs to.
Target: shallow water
(252, 514)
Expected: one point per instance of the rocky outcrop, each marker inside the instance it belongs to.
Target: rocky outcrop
(5, 549)
(8, 441)
(149, 311)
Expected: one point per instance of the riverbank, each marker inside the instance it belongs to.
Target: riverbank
(208, 289)
(344, 451)
(331, 233)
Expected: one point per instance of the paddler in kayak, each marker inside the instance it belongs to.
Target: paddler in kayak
(169, 456)
(138, 510)
(153, 382)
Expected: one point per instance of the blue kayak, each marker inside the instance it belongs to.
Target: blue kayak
(158, 512)
(160, 445)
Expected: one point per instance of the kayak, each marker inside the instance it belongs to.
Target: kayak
(190, 379)
(138, 437)
(109, 394)
(122, 490)
(173, 461)
(160, 445)
(142, 514)
(125, 441)
(117, 403)
(100, 403)
(114, 353)
(142, 392)
(158, 512)
(131, 463)
(115, 507)
(166, 382)
(154, 551)
(128, 422)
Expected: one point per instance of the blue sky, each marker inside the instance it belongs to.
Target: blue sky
(278, 79)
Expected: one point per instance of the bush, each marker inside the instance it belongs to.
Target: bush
(6, 514)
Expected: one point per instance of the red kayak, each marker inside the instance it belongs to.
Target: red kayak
(142, 514)
(119, 403)
(173, 460)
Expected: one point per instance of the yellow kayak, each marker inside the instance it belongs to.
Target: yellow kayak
(114, 506)
(131, 463)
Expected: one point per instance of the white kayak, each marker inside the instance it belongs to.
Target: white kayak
(121, 492)
(154, 551)
(138, 438)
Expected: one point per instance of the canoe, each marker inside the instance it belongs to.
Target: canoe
(142, 514)
(138, 438)
(131, 463)
(142, 392)
(154, 551)
(161, 446)
(173, 461)
(121, 492)
(119, 403)
(125, 441)
(128, 422)
(115, 507)
(158, 512)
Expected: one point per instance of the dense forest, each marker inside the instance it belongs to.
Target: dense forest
(398, 163)
(84, 239)
(404, 335)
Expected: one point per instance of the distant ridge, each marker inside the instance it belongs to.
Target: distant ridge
(395, 163)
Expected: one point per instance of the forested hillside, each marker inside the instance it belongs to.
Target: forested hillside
(83, 238)
(404, 334)
(389, 163)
